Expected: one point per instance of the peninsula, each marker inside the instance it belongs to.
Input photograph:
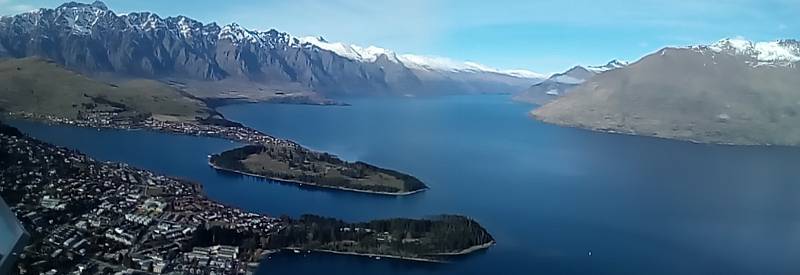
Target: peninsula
(299, 165)
(432, 239)
(152, 105)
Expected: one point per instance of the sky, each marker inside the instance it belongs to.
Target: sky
(542, 36)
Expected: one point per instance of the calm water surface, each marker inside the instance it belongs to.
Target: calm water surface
(548, 194)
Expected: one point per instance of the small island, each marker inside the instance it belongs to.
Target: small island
(296, 164)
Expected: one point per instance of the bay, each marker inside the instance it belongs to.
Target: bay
(549, 195)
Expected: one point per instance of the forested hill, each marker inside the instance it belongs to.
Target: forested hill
(411, 238)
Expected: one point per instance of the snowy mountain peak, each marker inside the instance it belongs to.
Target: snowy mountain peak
(616, 63)
(575, 75)
(579, 74)
(100, 5)
(352, 52)
(611, 65)
(78, 17)
(769, 52)
(271, 39)
(237, 34)
(76, 5)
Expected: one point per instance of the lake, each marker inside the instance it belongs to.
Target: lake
(548, 194)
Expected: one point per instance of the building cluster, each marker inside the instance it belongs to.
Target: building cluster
(91, 217)
(212, 259)
(116, 121)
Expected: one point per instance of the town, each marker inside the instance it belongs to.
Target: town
(91, 217)
(208, 127)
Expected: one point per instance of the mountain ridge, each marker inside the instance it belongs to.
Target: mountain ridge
(741, 95)
(90, 38)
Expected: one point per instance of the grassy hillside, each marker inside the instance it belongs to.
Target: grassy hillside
(39, 86)
(690, 95)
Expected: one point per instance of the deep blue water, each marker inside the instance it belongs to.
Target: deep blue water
(548, 194)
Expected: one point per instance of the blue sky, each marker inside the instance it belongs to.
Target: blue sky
(543, 36)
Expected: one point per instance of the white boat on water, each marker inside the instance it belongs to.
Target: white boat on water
(296, 251)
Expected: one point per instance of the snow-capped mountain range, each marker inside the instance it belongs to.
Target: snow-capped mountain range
(779, 53)
(90, 38)
(560, 84)
(429, 63)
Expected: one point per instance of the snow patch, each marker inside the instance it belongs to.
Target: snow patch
(419, 62)
(435, 63)
(611, 65)
(352, 52)
(567, 79)
(775, 52)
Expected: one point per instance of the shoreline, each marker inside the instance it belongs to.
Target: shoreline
(467, 250)
(462, 252)
(162, 131)
(413, 259)
(667, 138)
(302, 183)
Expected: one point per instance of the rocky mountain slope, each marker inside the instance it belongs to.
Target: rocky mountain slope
(560, 84)
(733, 91)
(92, 39)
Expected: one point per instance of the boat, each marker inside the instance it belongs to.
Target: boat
(296, 251)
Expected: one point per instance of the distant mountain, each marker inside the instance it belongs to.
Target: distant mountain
(435, 74)
(560, 84)
(92, 39)
(611, 65)
(733, 91)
